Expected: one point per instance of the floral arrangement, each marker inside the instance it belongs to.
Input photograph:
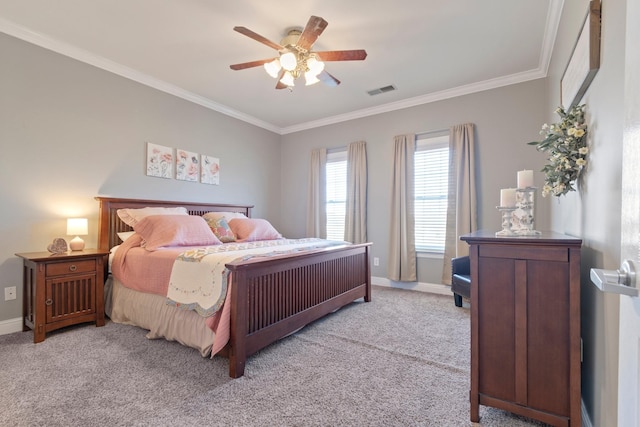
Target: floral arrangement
(566, 144)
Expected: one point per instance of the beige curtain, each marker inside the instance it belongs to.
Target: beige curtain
(355, 226)
(402, 250)
(461, 203)
(316, 195)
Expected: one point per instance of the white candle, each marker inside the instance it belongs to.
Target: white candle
(525, 179)
(508, 197)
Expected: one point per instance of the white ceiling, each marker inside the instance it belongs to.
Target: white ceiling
(427, 49)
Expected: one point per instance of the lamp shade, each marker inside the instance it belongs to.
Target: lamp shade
(273, 68)
(314, 65)
(77, 227)
(288, 61)
(310, 78)
(287, 79)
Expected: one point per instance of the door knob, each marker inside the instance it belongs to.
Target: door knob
(622, 281)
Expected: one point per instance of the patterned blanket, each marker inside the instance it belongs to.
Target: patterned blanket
(199, 277)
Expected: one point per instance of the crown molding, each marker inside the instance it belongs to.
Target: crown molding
(82, 55)
(419, 100)
(551, 28)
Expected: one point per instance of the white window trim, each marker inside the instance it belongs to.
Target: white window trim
(425, 141)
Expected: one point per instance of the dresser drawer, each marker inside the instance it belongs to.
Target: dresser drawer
(70, 267)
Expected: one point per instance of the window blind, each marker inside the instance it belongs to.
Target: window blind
(336, 190)
(431, 167)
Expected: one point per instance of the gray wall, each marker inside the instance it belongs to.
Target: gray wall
(593, 213)
(505, 118)
(70, 132)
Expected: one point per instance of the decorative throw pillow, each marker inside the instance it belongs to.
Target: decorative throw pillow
(249, 229)
(160, 231)
(132, 216)
(221, 229)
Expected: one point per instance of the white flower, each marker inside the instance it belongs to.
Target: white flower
(565, 144)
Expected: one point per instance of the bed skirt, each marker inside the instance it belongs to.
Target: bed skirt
(151, 312)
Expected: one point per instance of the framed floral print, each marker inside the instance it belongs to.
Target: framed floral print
(159, 161)
(187, 165)
(210, 170)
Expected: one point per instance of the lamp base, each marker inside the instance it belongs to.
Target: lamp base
(76, 244)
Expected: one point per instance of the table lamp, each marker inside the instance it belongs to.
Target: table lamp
(77, 227)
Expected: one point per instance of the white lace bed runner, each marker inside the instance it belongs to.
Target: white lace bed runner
(199, 277)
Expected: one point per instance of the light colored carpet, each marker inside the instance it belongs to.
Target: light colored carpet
(401, 360)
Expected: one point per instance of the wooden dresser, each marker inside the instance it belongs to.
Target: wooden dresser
(525, 325)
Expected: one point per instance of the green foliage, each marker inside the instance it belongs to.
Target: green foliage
(565, 143)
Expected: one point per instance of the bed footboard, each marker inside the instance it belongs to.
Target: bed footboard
(275, 297)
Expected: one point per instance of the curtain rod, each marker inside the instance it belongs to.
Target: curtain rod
(335, 149)
(429, 132)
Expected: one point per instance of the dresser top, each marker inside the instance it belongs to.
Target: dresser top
(545, 237)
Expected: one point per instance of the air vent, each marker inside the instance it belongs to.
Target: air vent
(381, 90)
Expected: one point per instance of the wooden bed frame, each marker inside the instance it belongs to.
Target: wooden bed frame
(270, 298)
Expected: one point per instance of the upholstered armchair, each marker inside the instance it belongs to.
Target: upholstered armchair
(460, 279)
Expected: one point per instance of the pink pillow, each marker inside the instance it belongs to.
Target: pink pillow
(175, 230)
(132, 216)
(249, 230)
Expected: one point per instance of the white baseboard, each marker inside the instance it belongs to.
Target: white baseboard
(433, 288)
(10, 326)
(15, 325)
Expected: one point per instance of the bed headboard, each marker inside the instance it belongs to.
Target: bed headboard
(109, 224)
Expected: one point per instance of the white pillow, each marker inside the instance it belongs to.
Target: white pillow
(228, 216)
(132, 216)
(124, 235)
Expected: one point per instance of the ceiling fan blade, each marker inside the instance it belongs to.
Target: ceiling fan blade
(281, 85)
(257, 37)
(315, 27)
(328, 79)
(251, 64)
(342, 55)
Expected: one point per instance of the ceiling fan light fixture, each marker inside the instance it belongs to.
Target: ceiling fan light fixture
(310, 78)
(296, 57)
(273, 68)
(287, 79)
(315, 66)
(288, 61)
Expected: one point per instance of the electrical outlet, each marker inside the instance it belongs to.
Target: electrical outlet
(376, 261)
(9, 293)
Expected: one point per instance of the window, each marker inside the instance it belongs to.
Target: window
(431, 169)
(336, 187)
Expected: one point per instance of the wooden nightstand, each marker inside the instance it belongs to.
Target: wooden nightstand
(62, 290)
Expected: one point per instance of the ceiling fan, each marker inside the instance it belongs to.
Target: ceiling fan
(296, 57)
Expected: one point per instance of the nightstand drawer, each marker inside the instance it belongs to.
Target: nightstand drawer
(70, 267)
